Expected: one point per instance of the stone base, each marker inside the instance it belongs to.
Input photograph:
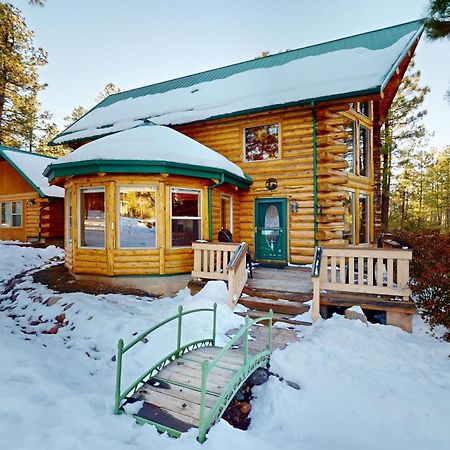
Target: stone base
(155, 285)
(401, 320)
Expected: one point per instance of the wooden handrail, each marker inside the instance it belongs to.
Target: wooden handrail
(222, 261)
(379, 271)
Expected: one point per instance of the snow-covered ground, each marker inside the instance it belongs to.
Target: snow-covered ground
(362, 387)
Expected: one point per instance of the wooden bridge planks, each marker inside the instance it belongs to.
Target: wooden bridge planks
(172, 397)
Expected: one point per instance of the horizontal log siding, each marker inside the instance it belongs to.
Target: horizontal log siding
(161, 260)
(293, 171)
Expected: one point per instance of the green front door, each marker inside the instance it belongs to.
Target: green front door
(270, 229)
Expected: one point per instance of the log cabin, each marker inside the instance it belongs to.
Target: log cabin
(30, 209)
(299, 134)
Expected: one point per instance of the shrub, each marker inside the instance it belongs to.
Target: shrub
(430, 275)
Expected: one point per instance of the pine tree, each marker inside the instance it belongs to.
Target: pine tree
(110, 88)
(77, 112)
(19, 82)
(403, 127)
(437, 21)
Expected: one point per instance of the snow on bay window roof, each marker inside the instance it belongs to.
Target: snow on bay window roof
(148, 148)
(31, 166)
(357, 65)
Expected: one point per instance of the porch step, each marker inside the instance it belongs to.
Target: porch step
(280, 305)
(277, 317)
(275, 295)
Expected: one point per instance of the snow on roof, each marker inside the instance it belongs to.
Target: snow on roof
(352, 66)
(151, 143)
(31, 167)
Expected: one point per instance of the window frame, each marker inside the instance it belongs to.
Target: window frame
(155, 190)
(244, 159)
(353, 215)
(368, 217)
(68, 213)
(92, 189)
(11, 221)
(173, 189)
(360, 121)
(230, 198)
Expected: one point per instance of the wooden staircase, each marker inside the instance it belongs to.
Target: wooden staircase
(285, 305)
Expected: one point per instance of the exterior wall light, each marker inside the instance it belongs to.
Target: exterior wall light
(294, 207)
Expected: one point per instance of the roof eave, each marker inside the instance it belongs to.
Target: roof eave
(136, 166)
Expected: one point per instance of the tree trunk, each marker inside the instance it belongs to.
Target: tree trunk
(385, 176)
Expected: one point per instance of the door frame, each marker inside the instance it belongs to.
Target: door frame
(283, 216)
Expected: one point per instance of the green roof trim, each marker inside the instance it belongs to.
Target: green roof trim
(19, 170)
(373, 40)
(143, 167)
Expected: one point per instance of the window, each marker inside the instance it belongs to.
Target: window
(185, 207)
(137, 217)
(11, 214)
(261, 143)
(364, 108)
(358, 152)
(364, 216)
(349, 225)
(92, 217)
(69, 218)
(349, 155)
(364, 151)
(226, 213)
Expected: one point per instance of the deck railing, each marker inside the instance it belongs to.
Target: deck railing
(361, 270)
(222, 261)
(211, 259)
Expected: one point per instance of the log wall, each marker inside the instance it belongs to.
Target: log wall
(294, 171)
(14, 188)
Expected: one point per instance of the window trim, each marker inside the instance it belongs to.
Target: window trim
(11, 223)
(92, 189)
(200, 209)
(356, 150)
(230, 198)
(278, 124)
(154, 189)
(368, 216)
(68, 214)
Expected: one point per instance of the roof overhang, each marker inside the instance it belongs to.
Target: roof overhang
(54, 171)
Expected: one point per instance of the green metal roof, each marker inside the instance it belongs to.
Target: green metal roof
(373, 40)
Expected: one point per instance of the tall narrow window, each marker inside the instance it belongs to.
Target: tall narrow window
(364, 151)
(11, 214)
(349, 155)
(137, 221)
(92, 217)
(349, 208)
(261, 143)
(226, 213)
(185, 216)
(364, 214)
(69, 237)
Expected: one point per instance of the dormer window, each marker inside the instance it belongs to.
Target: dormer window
(262, 143)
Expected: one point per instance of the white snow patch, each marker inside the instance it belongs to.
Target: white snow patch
(154, 143)
(356, 308)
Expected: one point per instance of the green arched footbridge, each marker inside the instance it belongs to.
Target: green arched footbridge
(191, 386)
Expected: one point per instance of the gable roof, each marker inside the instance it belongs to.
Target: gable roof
(148, 148)
(357, 65)
(30, 166)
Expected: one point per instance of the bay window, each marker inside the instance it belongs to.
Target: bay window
(137, 217)
(185, 214)
(92, 217)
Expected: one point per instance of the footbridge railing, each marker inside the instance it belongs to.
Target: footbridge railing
(250, 362)
(120, 395)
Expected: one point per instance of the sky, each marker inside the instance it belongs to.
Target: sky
(134, 43)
